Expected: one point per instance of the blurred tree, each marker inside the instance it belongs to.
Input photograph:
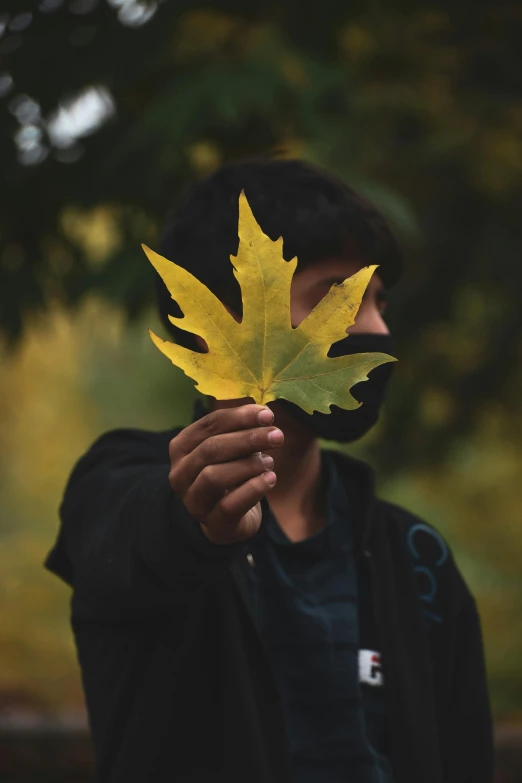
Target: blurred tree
(108, 108)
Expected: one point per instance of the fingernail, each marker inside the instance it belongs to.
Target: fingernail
(268, 461)
(270, 478)
(276, 436)
(265, 416)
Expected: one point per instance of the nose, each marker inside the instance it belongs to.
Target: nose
(369, 321)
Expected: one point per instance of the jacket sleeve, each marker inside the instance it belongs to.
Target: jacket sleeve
(470, 757)
(457, 664)
(125, 534)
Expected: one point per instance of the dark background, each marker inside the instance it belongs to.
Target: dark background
(106, 110)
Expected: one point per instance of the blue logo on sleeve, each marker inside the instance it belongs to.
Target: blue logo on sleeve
(428, 571)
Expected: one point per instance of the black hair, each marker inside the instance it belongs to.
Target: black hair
(314, 211)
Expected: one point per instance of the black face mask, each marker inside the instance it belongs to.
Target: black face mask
(347, 426)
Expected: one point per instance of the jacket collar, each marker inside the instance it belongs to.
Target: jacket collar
(349, 468)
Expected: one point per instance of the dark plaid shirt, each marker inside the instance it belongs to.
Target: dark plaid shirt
(307, 599)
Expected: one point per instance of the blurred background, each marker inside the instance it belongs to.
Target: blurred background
(107, 108)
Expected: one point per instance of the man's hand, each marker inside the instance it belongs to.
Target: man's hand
(218, 470)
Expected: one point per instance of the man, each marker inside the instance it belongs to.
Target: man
(244, 608)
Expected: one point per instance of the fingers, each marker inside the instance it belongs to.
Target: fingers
(217, 469)
(229, 447)
(215, 480)
(232, 509)
(215, 423)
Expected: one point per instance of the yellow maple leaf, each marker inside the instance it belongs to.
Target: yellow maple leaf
(262, 356)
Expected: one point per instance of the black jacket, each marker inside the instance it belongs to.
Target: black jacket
(177, 684)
